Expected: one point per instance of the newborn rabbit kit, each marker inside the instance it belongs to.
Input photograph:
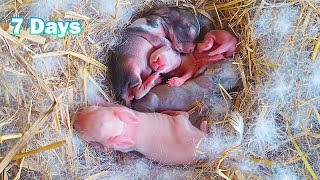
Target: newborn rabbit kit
(161, 90)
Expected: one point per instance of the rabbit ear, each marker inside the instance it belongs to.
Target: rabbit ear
(121, 143)
(126, 116)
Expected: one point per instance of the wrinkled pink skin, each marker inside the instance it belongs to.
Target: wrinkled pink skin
(182, 67)
(166, 138)
(165, 60)
(221, 41)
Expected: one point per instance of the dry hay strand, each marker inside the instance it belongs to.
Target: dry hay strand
(44, 80)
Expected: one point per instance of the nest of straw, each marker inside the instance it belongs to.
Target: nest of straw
(44, 80)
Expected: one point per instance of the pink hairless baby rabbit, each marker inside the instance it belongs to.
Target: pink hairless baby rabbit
(166, 60)
(221, 41)
(166, 138)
